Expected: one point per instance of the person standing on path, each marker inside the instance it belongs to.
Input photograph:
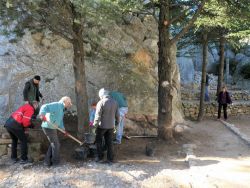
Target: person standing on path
(123, 110)
(53, 113)
(207, 98)
(15, 125)
(223, 100)
(106, 118)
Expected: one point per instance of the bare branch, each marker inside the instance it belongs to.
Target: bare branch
(189, 24)
(54, 29)
(183, 14)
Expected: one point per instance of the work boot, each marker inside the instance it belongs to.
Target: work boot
(116, 142)
(15, 160)
(98, 160)
(109, 162)
(26, 161)
(47, 164)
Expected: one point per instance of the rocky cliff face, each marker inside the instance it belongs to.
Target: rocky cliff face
(190, 62)
(118, 57)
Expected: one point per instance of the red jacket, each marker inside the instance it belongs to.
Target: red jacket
(23, 115)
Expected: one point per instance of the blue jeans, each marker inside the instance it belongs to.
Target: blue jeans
(123, 111)
(207, 94)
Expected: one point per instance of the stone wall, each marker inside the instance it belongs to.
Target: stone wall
(195, 95)
(191, 109)
(190, 103)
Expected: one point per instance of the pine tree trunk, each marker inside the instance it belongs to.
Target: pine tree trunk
(221, 66)
(203, 80)
(165, 123)
(80, 81)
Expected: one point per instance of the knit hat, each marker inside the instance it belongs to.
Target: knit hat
(37, 77)
(103, 92)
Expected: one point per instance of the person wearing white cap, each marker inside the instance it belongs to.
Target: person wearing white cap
(53, 113)
(106, 118)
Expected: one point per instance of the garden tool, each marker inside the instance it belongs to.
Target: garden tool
(65, 133)
(56, 127)
(81, 152)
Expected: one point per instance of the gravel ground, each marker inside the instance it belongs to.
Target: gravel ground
(88, 174)
(221, 160)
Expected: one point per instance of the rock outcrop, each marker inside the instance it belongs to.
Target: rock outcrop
(118, 57)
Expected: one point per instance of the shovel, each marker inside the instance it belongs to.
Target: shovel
(81, 152)
(61, 130)
(65, 133)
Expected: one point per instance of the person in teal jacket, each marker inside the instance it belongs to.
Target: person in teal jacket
(123, 110)
(52, 115)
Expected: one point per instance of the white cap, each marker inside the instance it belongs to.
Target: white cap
(103, 92)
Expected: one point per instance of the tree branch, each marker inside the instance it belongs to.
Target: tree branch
(54, 29)
(189, 24)
(178, 17)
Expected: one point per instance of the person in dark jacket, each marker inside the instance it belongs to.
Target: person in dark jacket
(15, 125)
(207, 98)
(31, 90)
(223, 100)
(106, 118)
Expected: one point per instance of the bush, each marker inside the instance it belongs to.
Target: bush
(245, 71)
(232, 67)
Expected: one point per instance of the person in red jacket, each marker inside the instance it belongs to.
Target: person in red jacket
(15, 125)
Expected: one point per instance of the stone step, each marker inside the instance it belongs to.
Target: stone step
(5, 141)
(34, 151)
(3, 150)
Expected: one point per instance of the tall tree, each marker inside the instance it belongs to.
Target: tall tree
(222, 41)
(222, 28)
(175, 18)
(166, 62)
(203, 78)
(237, 25)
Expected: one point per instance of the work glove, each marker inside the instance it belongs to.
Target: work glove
(66, 134)
(32, 126)
(43, 118)
(114, 130)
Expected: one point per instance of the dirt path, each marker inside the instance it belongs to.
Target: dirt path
(222, 160)
(242, 123)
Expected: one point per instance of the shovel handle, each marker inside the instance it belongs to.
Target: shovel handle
(64, 132)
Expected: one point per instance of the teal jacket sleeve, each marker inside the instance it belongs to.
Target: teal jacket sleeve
(56, 113)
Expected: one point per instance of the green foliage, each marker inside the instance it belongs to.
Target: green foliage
(228, 18)
(245, 71)
(232, 66)
(59, 16)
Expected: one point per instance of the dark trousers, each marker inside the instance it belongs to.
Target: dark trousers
(224, 110)
(53, 153)
(108, 137)
(18, 134)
